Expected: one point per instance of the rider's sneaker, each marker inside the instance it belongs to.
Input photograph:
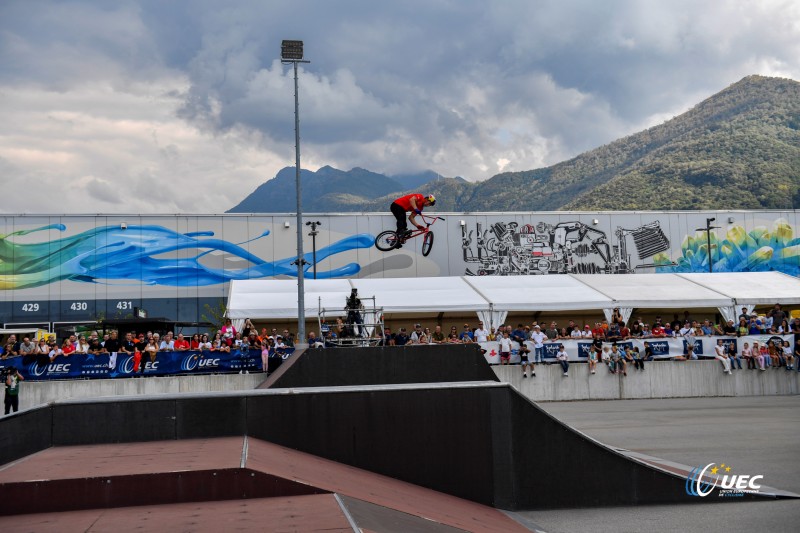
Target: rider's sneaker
(407, 234)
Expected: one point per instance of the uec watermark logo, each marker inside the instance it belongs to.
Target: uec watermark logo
(700, 483)
(40, 370)
(194, 361)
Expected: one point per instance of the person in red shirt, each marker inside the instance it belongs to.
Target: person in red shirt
(181, 344)
(413, 203)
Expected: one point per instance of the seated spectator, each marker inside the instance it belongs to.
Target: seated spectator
(758, 355)
(788, 356)
(775, 354)
(747, 353)
(563, 359)
(632, 357)
(736, 361)
(605, 355)
(592, 358)
(618, 360)
(648, 352)
(721, 356)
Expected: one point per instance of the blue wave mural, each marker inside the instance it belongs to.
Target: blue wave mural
(110, 253)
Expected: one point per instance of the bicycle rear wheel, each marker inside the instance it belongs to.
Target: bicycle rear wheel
(427, 243)
(386, 241)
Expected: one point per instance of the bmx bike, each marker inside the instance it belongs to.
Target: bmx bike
(389, 239)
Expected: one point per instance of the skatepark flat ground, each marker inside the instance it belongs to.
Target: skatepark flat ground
(754, 435)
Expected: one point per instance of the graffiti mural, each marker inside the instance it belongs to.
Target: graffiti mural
(563, 248)
(141, 255)
(738, 250)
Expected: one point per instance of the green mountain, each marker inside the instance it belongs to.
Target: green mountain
(739, 149)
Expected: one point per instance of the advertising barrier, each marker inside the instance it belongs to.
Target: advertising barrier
(663, 347)
(86, 366)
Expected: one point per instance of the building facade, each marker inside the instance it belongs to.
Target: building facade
(72, 268)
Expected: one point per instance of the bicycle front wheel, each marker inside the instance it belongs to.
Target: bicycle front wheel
(427, 244)
(386, 241)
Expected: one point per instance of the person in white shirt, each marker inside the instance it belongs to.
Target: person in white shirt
(505, 349)
(563, 359)
(587, 332)
(576, 333)
(481, 334)
(721, 356)
(538, 339)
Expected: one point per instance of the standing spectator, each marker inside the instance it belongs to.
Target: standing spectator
(797, 354)
(614, 332)
(563, 359)
(777, 315)
(480, 334)
(538, 339)
(466, 333)
(744, 315)
(26, 347)
(181, 344)
(112, 346)
(587, 332)
(742, 330)
(12, 381)
(524, 355)
(416, 334)
(205, 344)
(402, 338)
(576, 333)
(437, 337)
(83, 345)
(638, 359)
(228, 332)
(151, 349)
(551, 332)
(729, 328)
(247, 328)
(722, 357)
(505, 348)
(167, 344)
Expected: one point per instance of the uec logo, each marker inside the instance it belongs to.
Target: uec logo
(695, 486)
(36, 370)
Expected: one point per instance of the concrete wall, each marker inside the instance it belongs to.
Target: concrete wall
(35, 393)
(665, 379)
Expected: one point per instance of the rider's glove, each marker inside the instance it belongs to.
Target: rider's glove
(418, 211)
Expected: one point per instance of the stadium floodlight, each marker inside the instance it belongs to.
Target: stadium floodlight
(292, 52)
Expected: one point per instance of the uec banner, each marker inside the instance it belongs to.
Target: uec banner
(88, 366)
(663, 347)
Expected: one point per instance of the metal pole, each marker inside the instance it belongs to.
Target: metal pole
(708, 241)
(301, 308)
(314, 247)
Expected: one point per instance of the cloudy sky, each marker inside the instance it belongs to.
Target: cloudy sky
(183, 106)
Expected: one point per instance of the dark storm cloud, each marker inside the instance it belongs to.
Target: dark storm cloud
(467, 88)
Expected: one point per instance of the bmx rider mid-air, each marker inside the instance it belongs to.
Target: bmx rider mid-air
(413, 203)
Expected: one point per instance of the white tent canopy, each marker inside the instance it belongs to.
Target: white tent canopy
(752, 288)
(277, 299)
(654, 290)
(537, 293)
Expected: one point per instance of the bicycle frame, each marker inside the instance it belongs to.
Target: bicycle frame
(429, 221)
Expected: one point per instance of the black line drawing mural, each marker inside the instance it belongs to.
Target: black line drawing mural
(506, 249)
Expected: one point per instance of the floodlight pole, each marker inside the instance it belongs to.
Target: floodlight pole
(313, 234)
(292, 52)
(708, 229)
